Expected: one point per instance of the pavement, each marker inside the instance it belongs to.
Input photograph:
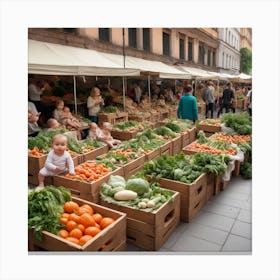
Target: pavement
(223, 225)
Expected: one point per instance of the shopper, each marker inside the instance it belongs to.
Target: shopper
(58, 160)
(187, 108)
(226, 99)
(208, 98)
(94, 103)
(248, 101)
(34, 93)
(33, 117)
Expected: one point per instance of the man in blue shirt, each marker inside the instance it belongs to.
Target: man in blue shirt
(187, 108)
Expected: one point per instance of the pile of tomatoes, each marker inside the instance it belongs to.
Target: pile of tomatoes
(82, 223)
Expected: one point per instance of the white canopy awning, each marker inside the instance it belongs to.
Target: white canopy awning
(150, 66)
(54, 59)
(197, 73)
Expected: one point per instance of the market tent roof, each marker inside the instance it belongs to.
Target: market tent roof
(197, 73)
(150, 66)
(54, 59)
(243, 77)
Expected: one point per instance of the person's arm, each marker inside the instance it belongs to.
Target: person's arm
(195, 110)
(48, 164)
(179, 110)
(91, 103)
(70, 163)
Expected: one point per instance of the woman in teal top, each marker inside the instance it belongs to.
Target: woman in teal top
(187, 108)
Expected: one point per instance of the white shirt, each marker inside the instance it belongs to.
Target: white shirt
(34, 92)
(64, 161)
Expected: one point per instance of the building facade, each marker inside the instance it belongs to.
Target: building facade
(229, 50)
(246, 38)
(195, 47)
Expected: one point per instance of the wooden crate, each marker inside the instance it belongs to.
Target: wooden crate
(172, 112)
(153, 154)
(176, 145)
(93, 154)
(166, 148)
(123, 135)
(121, 117)
(83, 189)
(106, 117)
(236, 170)
(164, 115)
(192, 196)
(185, 137)
(133, 166)
(155, 117)
(209, 127)
(34, 166)
(214, 183)
(149, 230)
(192, 134)
(113, 237)
(139, 118)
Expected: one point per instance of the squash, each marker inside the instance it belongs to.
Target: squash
(125, 195)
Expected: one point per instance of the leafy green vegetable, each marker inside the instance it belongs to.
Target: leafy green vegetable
(44, 209)
(138, 185)
(165, 131)
(246, 170)
(240, 122)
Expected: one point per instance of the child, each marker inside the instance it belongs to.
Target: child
(58, 111)
(94, 132)
(53, 124)
(58, 160)
(69, 120)
(106, 137)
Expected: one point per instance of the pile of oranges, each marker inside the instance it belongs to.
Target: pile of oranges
(81, 223)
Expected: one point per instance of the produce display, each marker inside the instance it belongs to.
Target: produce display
(136, 192)
(90, 171)
(166, 132)
(240, 122)
(204, 144)
(81, 223)
(185, 168)
(109, 109)
(215, 122)
(132, 126)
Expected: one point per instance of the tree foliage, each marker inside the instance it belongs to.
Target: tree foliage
(246, 61)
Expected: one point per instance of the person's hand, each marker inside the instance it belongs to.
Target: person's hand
(57, 169)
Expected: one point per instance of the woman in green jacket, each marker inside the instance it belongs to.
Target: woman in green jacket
(187, 108)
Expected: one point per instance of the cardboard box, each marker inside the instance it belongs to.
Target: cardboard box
(192, 196)
(113, 237)
(149, 230)
(84, 189)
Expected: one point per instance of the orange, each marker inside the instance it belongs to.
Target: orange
(106, 222)
(63, 233)
(84, 239)
(63, 220)
(71, 225)
(74, 217)
(87, 220)
(97, 217)
(92, 231)
(77, 233)
(73, 239)
(71, 206)
(81, 227)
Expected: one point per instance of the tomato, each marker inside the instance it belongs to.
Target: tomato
(105, 222)
(92, 231)
(87, 220)
(71, 206)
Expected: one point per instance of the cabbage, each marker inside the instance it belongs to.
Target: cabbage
(116, 181)
(138, 185)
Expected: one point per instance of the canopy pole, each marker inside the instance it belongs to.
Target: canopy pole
(123, 81)
(109, 82)
(149, 87)
(194, 93)
(75, 94)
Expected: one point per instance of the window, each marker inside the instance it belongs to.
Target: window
(132, 38)
(104, 34)
(166, 43)
(182, 49)
(190, 50)
(201, 54)
(146, 39)
(223, 60)
(214, 59)
(209, 58)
